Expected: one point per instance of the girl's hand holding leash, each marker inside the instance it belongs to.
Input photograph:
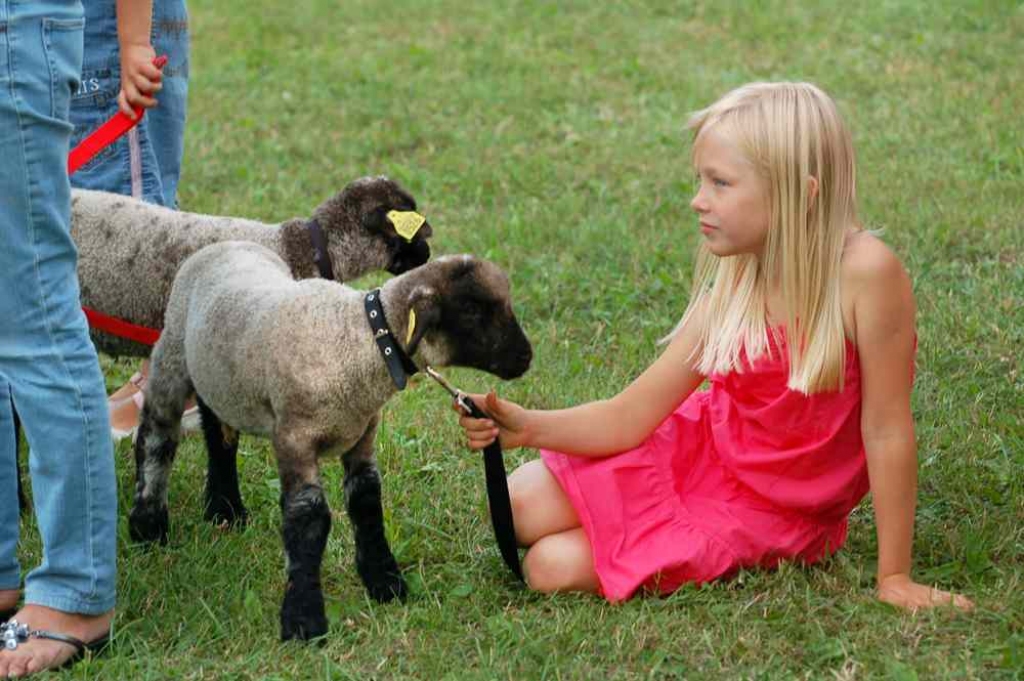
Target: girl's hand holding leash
(508, 422)
(140, 78)
(903, 592)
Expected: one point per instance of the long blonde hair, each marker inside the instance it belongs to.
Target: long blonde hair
(789, 131)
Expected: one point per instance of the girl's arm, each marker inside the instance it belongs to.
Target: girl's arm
(140, 80)
(597, 428)
(883, 310)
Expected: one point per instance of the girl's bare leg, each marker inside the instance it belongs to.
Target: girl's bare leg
(561, 562)
(559, 558)
(129, 388)
(539, 506)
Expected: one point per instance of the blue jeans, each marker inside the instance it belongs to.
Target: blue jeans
(146, 162)
(48, 366)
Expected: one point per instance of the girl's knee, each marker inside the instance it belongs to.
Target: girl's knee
(525, 479)
(539, 506)
(559, 563)
(541, 570)
(526, 496)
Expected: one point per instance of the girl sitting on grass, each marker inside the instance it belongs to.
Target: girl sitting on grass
(802, 322)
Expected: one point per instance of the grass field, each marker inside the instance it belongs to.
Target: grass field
(549, 138)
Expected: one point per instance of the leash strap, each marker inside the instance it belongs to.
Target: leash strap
(119, 327)
(320, 255)
(399, 365)
(498, 499)
(102, 137)
(107, 134)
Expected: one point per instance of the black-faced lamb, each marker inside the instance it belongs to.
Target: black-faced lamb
(129, 250)
(298, 362)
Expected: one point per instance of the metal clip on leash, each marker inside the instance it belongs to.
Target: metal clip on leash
(497, 484)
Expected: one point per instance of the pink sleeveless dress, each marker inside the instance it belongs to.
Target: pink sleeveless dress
(744, 474)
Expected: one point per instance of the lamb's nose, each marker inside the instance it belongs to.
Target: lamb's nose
(525, 357)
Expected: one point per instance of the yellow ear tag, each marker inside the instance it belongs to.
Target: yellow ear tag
(406, 222)
(412, 326)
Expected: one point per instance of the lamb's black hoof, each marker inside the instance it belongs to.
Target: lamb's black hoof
(387, 588)
(148, 523)
(220, 511)
(302, 616)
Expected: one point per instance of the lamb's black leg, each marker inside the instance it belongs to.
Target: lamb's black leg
(374, 561)
(306, 522)
(223, 498)
(155, 447)
(157, 440)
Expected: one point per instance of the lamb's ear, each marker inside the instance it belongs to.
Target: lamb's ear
(424, 314)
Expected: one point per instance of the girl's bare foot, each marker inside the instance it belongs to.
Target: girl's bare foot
(132, 386)
(124, 416)
(35, 654)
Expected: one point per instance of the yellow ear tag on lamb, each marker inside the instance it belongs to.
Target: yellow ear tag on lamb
(412, 326)
(406, 222)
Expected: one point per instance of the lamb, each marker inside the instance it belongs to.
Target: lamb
(299, 362)
(129, 250)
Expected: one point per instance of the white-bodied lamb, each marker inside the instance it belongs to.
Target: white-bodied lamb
(296, 361)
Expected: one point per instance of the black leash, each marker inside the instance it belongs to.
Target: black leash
(400, 366)
(498, 498)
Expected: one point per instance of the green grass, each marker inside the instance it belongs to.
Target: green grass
(549, 137)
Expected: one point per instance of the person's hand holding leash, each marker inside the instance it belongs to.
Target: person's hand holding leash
(508, 422)
(140, 78)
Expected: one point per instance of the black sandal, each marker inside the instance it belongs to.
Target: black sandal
(7, 614)
(13, 633)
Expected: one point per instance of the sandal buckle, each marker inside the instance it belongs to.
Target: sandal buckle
(13, 632)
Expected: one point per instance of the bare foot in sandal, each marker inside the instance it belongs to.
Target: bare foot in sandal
(28, 649)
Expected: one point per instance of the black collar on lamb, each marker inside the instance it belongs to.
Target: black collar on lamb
(400, 366)
(320, 255)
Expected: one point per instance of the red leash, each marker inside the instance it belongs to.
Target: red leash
(107, 133)
(102, 137)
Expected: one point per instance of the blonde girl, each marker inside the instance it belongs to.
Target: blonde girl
(802, 323)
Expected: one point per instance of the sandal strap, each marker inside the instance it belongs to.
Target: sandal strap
(78, 643)
(14, 633)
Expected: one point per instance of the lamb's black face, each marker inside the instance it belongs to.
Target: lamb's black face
(372, 199)
(409, 254)
(477, 318)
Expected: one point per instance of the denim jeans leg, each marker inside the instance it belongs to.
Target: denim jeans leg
(46, 356)
(166, 122)
(10, 573)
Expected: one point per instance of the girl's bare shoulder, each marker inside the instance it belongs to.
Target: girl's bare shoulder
(868, 263)
(875, 285)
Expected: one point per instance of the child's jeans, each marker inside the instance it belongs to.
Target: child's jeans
(48, 365)
(146, 162)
